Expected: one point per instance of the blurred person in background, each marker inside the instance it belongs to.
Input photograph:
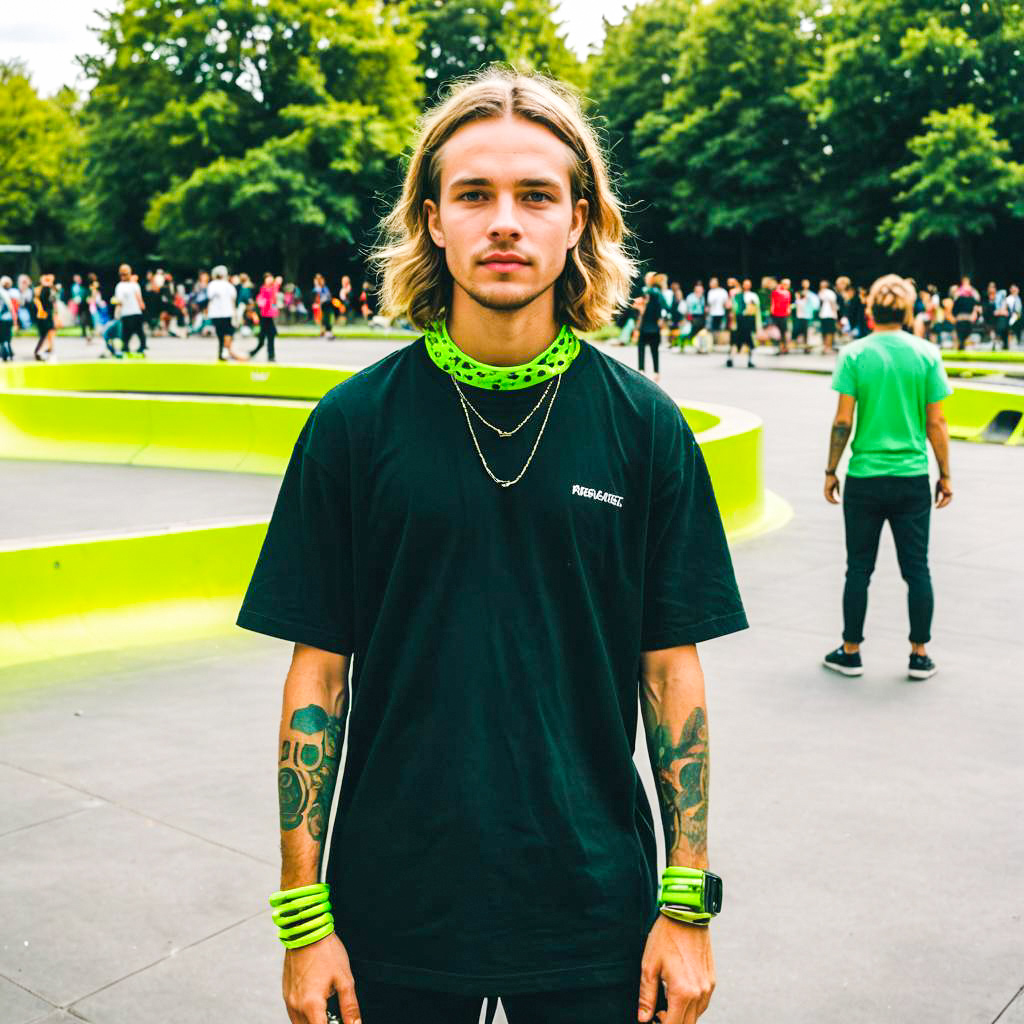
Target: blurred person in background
(130, 310)
(222, 298)
(266, 304)
(45, 300)
(8, 317)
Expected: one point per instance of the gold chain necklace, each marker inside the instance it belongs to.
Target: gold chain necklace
(476, 443)
(498, 430)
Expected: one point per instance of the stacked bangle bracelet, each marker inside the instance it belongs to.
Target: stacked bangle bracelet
(690, 895)
(302, 915)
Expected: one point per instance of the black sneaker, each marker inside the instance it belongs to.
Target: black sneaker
(728, 361)
(839, 661)
(921, 667)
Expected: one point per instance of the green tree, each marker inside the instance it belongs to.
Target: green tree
(958, 181)
(885, 67)
(273, 123)
(459, 36)
(628, 78)
(40, 145)
(725, 152)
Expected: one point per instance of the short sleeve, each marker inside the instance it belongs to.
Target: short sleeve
(302, 586)
(937, 387)
(844, 376)
(690, 591)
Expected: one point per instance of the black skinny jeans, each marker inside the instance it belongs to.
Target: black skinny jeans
(268, 332)
(643, 340)
(906, 502)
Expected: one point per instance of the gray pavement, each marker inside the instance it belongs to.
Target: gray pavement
(869, 831)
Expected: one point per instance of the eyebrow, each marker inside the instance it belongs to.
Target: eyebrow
(522, 183)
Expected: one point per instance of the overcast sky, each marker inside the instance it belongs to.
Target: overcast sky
(47, 34)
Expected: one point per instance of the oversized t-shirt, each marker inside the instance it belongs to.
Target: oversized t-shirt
(492, 833)
(893, 375)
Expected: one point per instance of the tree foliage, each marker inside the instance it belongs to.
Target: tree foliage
(241, 122)
(40, 169)
(958, 181)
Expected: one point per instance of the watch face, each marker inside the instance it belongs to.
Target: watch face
(712, 893)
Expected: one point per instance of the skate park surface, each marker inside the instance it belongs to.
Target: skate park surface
(868, 830)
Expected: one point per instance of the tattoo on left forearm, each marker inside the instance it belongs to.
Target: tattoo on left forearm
(837, 444)
(308, 767)
(682, 771)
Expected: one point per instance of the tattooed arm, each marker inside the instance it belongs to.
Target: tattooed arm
(313, 714)
(675, 720)
(842, 426)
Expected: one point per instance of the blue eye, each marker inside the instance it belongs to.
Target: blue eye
(467, 194)
(543, 195)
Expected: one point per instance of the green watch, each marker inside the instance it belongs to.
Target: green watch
(690, 895)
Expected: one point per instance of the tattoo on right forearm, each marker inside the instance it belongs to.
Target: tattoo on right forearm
(308, 767)
(837, 443)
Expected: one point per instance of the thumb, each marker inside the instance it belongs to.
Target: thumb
(648, 992)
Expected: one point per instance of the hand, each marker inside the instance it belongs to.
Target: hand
(311, 974)
(679, 955)
(943, 491)
(832, 488)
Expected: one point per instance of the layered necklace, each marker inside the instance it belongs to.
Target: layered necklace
(548, 365)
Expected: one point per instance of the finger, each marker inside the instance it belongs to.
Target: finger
(648, 991)
(347, 1001)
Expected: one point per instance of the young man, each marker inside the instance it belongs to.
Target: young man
(509, 533)
(130, 306)
(748, 322)
(652, 318)
(717, 310)
(780, 303)
(805, 307)
(222, 297)
(899, 382)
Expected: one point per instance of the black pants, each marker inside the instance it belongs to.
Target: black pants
(643, 340)
(268, 332)
(6, 331)
(131, 325)
(906, 502)
(394, 1004)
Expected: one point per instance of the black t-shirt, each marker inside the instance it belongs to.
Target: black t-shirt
(492, 832)
(654, 310)
(964, 305)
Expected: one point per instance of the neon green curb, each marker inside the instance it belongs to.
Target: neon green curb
(977, 413)
(128, 590)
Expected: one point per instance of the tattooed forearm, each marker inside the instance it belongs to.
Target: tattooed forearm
(837, 444)
(681, 770)
(308, 768)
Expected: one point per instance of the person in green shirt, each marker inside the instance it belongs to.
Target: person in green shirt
(896, 382)
(509, 537)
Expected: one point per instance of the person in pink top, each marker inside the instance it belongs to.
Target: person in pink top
(266, 305)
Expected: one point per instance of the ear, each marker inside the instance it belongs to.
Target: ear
(579, 221)
(433, 215)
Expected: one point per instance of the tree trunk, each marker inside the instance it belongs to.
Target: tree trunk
(965, 255)
(290, 259)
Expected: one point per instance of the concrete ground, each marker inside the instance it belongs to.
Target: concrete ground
(869, 830)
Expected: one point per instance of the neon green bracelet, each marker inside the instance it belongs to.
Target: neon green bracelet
(287, 917)
(683, 895)
(313, 924)
(287, 895)
(321, 933)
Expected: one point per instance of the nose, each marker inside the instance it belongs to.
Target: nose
(505, 222)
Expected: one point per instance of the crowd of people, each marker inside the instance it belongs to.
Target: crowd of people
(807, 318)
(214, 303)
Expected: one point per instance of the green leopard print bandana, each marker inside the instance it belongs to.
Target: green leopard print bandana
(447, 356)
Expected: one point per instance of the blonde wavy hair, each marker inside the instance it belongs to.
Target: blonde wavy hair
(415, 280)
(891, 300)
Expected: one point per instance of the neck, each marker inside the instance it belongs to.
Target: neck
(501, 338)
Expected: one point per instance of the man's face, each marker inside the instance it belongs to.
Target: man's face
(505, 189)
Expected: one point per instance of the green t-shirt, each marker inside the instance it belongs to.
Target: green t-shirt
(893, 376)
(492, 832)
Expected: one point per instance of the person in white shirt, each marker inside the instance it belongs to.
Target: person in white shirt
(717, 303)
(1015, 308)
(130, 309)
(828, 313)
(221, 296)
(806, 306)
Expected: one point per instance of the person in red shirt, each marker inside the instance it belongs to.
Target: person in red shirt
(781, 301)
